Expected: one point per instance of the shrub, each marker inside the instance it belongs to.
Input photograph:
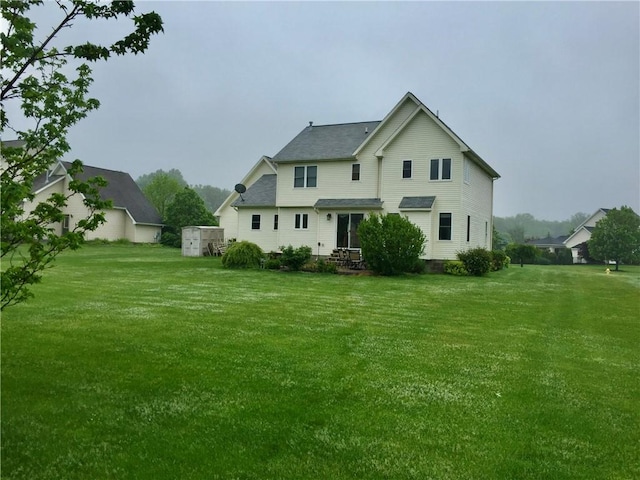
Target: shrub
(171, 239)
(243, 255)
(522, 253)
(477, 261)
(272, 263)
(323, 266)
(455, 267)
(295, 258)
(391, 244)
(498, 260)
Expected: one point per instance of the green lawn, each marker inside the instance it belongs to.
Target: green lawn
(134, 362)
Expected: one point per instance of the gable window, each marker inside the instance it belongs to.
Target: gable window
(440, 169)
(355, 171)
(406, 169)
(255, 222)
(275, 221)
(302, 221)
(305, 176)
(444, 228)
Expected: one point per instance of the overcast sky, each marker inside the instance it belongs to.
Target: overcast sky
(547, 93)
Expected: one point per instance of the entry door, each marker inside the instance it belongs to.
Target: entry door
(347, 234)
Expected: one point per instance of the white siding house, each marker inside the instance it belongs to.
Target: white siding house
(582, 235)
(132, 216)
(329, 177)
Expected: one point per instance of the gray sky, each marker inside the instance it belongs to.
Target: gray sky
(547, 93)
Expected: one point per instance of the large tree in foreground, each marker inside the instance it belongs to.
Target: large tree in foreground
(616, 237)
(42, 97)
(186, 209)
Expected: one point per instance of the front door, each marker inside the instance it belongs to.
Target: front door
(347, 234)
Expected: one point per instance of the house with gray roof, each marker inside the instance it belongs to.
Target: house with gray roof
(320, 185)
(131, 217)
(582, 234)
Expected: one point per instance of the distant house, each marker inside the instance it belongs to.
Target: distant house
(132, 217)
(318, 188)
(582, 234)
(551, 244)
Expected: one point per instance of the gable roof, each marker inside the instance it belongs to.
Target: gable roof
(326, 142)
(123, 192)
(261, 194)
(587, 225)
(233, 196)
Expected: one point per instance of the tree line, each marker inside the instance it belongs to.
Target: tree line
(180, 204)
(524, 226)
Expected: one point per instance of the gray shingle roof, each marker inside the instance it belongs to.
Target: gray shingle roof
(262, 193)
(326, 142)
(348, 203)
(123, 192)
(416, 202)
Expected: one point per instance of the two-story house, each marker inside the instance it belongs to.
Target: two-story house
(319, 187)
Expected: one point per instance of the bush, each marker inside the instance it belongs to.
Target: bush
(391, 244)
(455, 267)
(499, 260)
(323, 266)
(477, 261)
(522, 253)
(243, 255)
(171, 239)
(272, 264)
(295, 258)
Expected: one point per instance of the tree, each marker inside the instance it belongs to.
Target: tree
(212, 196)
(391, 244)
(161, 191)
(147, 178)
(49, 99)
(187, 208)
(616, 237)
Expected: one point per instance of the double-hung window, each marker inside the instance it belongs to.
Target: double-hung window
(302, 221)
(355, 171)
(305, 176)
(440, 169)
(406, 169)
(444, 229)
(255, 222)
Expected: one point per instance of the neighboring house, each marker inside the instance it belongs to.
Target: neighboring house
(582, 235)
(318, 188)
(551, 244)
(132, 217)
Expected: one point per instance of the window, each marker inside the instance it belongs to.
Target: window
(275, 221)
(406, 169)
(305, 176)
(444, 230)
(302, 220)
(255, 222)
(468, 228)
(355, 171)
(440, 169)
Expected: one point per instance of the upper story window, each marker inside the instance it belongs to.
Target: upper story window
(275, 221)
(305, 176)
(406, 169)
(444, 229)
(440, 169)
(255, 222)
(467, 171)
(302, 220)
(355, 171)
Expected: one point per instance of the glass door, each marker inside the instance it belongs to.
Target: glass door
(347, 231)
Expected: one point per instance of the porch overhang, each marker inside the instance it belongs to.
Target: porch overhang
(348, 203)
(416, 203)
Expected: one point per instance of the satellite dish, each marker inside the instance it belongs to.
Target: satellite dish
(240, 188)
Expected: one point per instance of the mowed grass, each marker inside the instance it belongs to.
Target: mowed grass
(134, 362)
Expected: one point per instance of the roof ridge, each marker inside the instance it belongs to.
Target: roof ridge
(346, 123)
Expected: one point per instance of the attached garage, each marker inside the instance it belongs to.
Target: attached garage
(199, 241)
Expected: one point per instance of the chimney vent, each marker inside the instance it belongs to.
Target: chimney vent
(311, 124)
(366, 130)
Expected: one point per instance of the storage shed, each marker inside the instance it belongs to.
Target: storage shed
(202, 240)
